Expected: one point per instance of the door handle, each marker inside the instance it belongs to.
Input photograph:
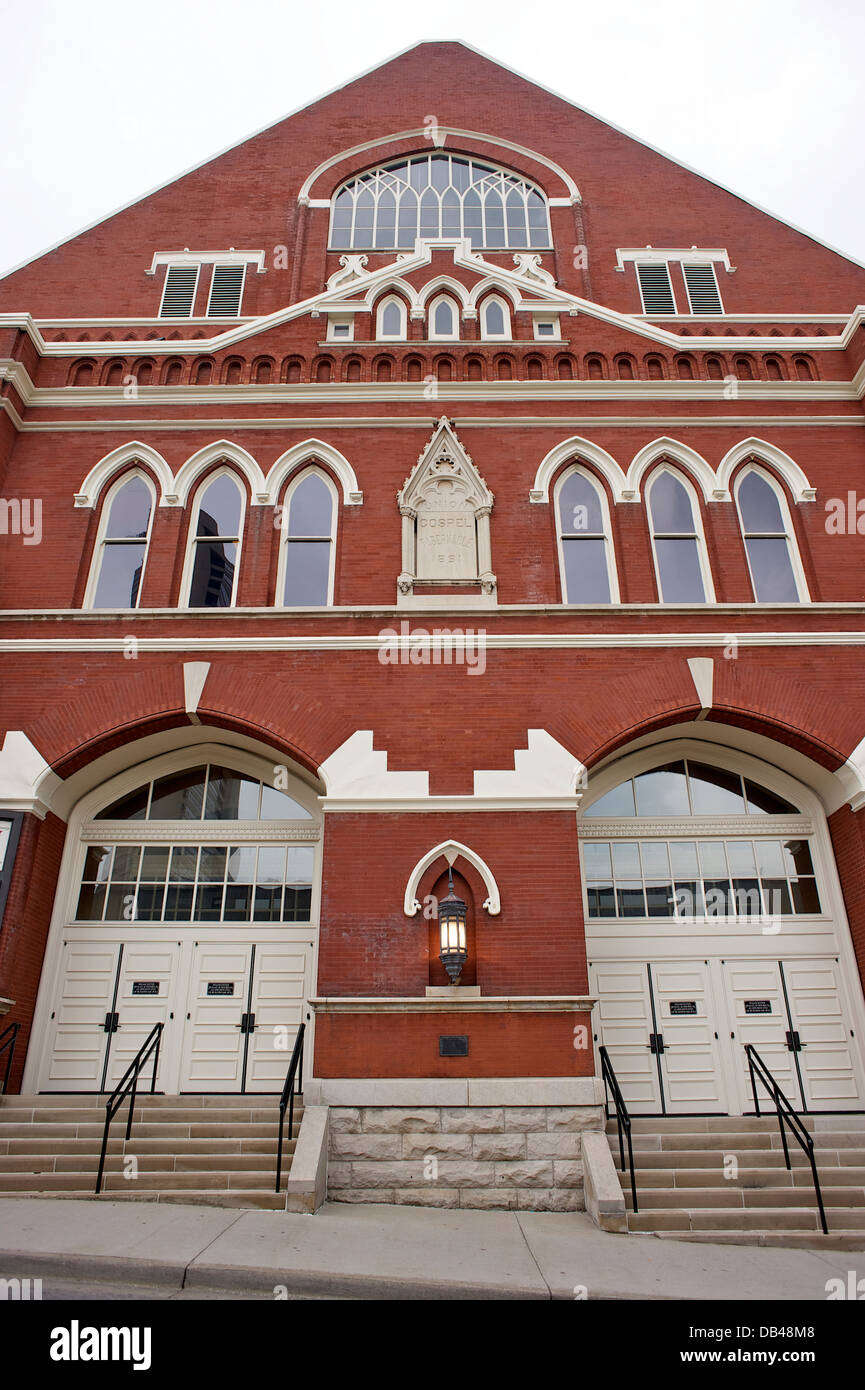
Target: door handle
(656, 1044)
(112, 1023)
(794, 1042)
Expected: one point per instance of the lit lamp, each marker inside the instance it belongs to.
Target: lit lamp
(452, 929)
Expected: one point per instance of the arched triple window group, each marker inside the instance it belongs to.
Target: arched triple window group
(682, 570)
(442, 318)
(306, 522)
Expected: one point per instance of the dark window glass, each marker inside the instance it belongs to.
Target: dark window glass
(662, 792)
(715, 793)
(180, 796)
(307, 574)
(766, 802)
(230, 796)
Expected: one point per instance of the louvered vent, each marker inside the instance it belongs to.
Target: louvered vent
(656, 288)
(225, 291)
(702, 289)
(179, 292)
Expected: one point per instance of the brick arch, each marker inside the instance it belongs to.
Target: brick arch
(139, 703)
(747, 701)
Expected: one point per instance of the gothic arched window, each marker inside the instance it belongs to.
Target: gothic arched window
(587, 563)
(214, 544)
(436, 196)
(121, 547)
(680, 551)
(776, 574)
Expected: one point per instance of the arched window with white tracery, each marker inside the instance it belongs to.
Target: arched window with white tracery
(439, 196)
(214, 543)
(586, 559)
(121, 546)
(681, 565)
(306, 568)
(773, 558)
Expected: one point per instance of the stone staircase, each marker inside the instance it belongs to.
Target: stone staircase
(218, 1150)
(683, 1193)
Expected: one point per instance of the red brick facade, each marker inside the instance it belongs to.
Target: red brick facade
(82, 320)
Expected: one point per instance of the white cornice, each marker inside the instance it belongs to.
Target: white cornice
(187, 257)
(106, 397)
(658, 254)
(465, 259)
(221, 643)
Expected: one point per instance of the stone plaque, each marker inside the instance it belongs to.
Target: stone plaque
(446, 545)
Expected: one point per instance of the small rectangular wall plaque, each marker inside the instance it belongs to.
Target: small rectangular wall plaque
(145, 986)
(680, 1007)
(758, 1006)
(220, 988)
(453, 1045)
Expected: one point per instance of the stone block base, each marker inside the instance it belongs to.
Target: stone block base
(495, 1157)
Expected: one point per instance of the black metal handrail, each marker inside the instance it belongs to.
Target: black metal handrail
(786, 1116)
(623, 1119)
(128, 1084)
(295, 1072)
(7, 1044)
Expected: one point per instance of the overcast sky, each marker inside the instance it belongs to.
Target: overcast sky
(104, 101)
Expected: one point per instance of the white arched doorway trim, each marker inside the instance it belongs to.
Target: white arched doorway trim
(799, 938)
(83, 830)
(451, 850)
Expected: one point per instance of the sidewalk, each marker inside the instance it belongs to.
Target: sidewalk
(355, 1251)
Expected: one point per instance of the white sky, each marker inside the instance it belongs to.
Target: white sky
(104, 100)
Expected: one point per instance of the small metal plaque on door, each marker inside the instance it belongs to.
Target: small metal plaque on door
(453, 1045)
(220, 989)
(678, 1007)
(758, 1006)
(145, 986)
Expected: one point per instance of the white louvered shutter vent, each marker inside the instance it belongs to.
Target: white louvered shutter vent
(225, 291)
(702, 289)
(656, 287)
(179, 292)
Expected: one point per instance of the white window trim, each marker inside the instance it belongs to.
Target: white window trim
(699, 533)
(486, 335)
(799, 577)
(284, 541)
(609, 550)
(218, 265)
(200, 258)
(189, 561)
(555, 336)
(431, 314)
(692, 255)
(96, 560)
(708, 265)
(181, 265)
(402, 335)
(343, 321)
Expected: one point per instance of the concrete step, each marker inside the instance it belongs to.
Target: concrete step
(238, 1197)
(28, 1144)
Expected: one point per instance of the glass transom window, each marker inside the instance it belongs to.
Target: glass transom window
(200, 883)
(436, 196)
(742, 862)
(697, 878)
(242, 865)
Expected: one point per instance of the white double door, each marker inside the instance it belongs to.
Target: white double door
(676, 1032)
(230, 1010)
